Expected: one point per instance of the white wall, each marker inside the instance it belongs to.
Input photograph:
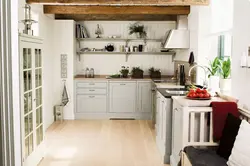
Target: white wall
(111, 64)
(15, 83)
(64, 43)
(241, 42)
(44, 29)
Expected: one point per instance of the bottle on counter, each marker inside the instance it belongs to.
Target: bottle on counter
(182, 75)
(92, 73)
(87, 73)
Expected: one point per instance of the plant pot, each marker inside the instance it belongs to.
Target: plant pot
(137, 75)
(225, 84)
(155, 75)
(125, 75)
(214, 84)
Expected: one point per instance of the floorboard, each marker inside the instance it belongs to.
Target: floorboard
(101, 143)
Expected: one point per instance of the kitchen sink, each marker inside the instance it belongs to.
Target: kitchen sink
(177, 92)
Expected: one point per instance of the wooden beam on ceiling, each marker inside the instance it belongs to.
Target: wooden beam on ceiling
(115, 10)
(123, 17)
(123, 2)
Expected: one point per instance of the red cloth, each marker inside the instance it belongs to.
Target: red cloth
(220, 112)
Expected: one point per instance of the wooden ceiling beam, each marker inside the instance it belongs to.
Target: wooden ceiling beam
(122, 2)
(131, 17)
(113, 10)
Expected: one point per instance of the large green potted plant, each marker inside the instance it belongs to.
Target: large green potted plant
(138, 30)
(137, 72)
(225, 71)
(214, 79)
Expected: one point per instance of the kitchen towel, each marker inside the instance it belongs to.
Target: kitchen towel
(220, 113)
(65, 97)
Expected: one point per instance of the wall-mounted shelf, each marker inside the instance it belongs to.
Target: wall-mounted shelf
(118, 39)
(128, 53)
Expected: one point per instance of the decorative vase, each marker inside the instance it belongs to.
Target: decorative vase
(225, 85)
(214, 84)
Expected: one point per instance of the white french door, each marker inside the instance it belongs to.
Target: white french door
(31, 100)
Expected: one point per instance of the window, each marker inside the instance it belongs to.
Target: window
(224, 46)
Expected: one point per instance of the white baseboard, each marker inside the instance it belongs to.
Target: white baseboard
(143, 116)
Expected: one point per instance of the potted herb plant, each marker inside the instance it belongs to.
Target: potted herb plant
(124, 72)
(214, 79)
(154, 73)
(137, 72)
(138, 30)
(225, 71)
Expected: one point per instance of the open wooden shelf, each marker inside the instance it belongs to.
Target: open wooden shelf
(139, 53)
(118, 39)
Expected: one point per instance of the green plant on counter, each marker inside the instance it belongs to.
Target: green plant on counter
(137, 28)
(124, 71)
(214, 67)
(225, 69)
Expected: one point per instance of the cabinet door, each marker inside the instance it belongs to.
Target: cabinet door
(31, 101)
(122, 97)
(91, 103)
(144, 97)
(158, 111)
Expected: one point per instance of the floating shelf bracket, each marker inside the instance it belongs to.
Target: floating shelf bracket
(126, 57)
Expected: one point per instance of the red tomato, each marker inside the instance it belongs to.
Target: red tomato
(207, 95)
(204, 91)
(191, 96)
(200, 95)
(198, 90)
(192, 91)
(195, 95)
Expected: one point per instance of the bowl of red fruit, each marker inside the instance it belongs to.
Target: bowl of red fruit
(198, 94)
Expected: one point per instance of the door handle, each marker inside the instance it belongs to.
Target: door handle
(122, 84)
(91, 96)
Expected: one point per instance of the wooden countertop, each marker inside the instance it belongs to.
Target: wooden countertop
(103, 77)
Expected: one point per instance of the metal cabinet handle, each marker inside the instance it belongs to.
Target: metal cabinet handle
(176, 109)
(91, 90)
(122, 84)
(91, 83)
(91, 96)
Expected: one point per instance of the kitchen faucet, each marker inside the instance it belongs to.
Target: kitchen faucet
(205, 84)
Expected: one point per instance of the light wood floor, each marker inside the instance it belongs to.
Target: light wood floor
(101, 143)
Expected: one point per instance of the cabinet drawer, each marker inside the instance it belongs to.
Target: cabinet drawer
(91, 91)
(91, 103)
(91, 85)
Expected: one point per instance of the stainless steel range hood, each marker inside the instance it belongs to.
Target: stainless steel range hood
(178, 38)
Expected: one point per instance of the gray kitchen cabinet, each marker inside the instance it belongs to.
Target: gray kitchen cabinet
(91, 103)
(122, 97)
(164, 126)
(144, 93)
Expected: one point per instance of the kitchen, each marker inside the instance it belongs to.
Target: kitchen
(105, 74)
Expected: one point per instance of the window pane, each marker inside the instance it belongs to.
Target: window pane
(25, 54)
(38, 136)
(37, 117)
(30, 122)
(26, 125)
(31, 147)
(26, 147)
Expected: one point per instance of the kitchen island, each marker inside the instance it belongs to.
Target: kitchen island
(191, 125)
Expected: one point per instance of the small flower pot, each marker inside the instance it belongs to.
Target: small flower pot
(137, 75)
